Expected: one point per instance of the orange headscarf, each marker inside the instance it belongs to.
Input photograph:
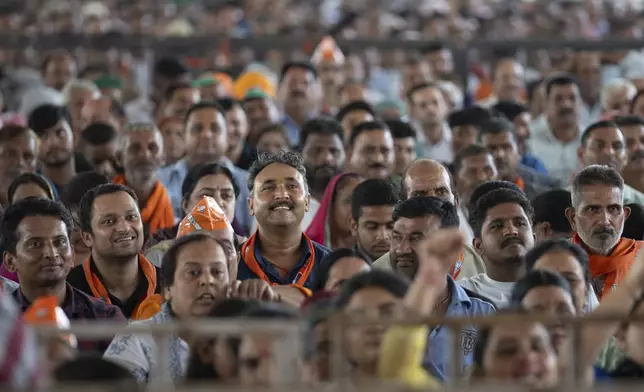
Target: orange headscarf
(207, 215)
(157, 212)
(614, 267)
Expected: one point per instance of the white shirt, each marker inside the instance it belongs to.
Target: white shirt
(497, 292)
(441, 151)
(559, 158)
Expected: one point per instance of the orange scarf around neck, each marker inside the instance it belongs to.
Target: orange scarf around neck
(157, 212)
(99, 290)
(248, 256)
(614, 267)
(520, 183)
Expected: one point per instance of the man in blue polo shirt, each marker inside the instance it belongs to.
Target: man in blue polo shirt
(279, 252)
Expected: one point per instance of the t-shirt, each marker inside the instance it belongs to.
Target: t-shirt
(497, 292)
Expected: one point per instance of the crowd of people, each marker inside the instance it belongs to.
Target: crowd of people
(322, 190)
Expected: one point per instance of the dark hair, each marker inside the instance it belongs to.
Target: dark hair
(92, 368)
(326, 126)
(400, 129)
(47, 116)
(205, 169)
(367, 126)
(535, 279)
(79, 185)
(352, 107)
(270, 128)
(324, 270)
(416, 207)
(87, 202)
(50, 55)
(493, 199)
(489, 186)
(561, 80)
(510, 109)
(264, 159)
(169, 67)
(595, 175)
(629, 121)
(558, 245)
(173, 88)
(470, 151)
(305, 65)
(30, 178)
(227, 103)
(434, 47)
(370, 193)
(31, 206)
(394, 284)
(550, 207)
(595, 126)
(202, 105)
(634, 225)
(420, 86)
(169, 261)
(10, 131)
(474, 116)
(637, 96)
(495, 126)
(98, 133)
(532, 87)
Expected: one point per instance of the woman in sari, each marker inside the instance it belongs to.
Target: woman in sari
(331, 225)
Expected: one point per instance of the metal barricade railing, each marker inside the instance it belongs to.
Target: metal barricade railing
(287, 348)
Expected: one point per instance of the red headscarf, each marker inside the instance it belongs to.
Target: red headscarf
(317, 229)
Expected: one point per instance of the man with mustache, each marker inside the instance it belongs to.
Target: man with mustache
(556, 134)
(498, 136)
(416, 220)
(141, 155)
(301, 96)
(206, 139)
(372, 203)
(370, 150)
(597, 217)
(502, 225)
(633, 130)
(509, 83)
(18, 154)
(115, 271)
(322, 146)
(279, 253)
(602, 143)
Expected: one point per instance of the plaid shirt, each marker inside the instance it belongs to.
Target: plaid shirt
(79, 306)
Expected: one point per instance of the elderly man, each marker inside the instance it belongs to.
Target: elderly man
(597, 217)
(616, 97)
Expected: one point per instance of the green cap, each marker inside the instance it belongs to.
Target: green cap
(255, 93)
(389, 104)
(207, 81)
(107, 81)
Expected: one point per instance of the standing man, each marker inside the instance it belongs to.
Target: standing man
(597, 217)
(372, 203)
(279, 252)
(556, 134)
(116, 271)
(206, 140)
(35, 238)
(141, 157)
(18, 154)
(497, 135)
(429, 111)
(301, 97)
(56, 150)
(502, 224)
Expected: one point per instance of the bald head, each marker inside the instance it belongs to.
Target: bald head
(426, 177)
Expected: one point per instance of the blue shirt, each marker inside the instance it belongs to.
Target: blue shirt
(530, 161)
(172, 178)
(292, 130)
(438, 360)
(245, 273)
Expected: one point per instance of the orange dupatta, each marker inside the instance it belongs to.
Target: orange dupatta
(99, 290)
(613, 267)
(520, 183)
(157, 212)
(248, 256)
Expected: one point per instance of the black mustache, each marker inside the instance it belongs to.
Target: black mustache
(325, 167)
(377, 166)
(298, 93)
(639, 154)
(566, 111)
(511, 241)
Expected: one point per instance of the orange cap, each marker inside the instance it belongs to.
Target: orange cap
(327, 49)
(207, 215)
(45, 311)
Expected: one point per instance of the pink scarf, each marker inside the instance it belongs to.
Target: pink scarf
(317, 229)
